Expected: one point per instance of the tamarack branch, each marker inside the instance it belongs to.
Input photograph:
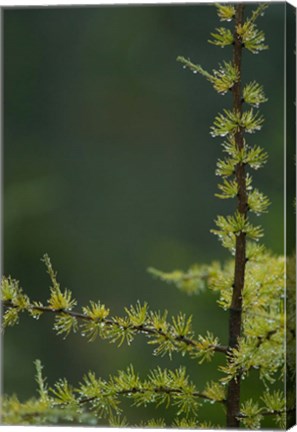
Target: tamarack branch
(249, 287)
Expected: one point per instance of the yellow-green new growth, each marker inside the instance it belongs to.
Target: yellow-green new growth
(258, 349)
(222, 79)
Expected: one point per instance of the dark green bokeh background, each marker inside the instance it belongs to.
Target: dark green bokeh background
(109, 168)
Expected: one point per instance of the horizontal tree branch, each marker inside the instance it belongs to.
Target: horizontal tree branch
(269, 413)
(157, 390)
(143, 328)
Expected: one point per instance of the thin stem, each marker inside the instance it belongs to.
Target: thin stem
(143, 328)
(235, 318)
(157, 390)
(270, 413)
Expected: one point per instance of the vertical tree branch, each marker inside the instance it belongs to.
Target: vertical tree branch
(235, 318)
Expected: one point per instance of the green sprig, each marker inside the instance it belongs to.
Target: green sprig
(225, 12)
(223, 37)
(253, 94)
(222, 79)
(232, 121)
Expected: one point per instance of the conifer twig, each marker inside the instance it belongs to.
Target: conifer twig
(141, 329)
(157, 390)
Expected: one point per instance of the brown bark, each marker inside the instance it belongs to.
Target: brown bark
(235, 318)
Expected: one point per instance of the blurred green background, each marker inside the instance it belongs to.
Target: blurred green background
(109, 168)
